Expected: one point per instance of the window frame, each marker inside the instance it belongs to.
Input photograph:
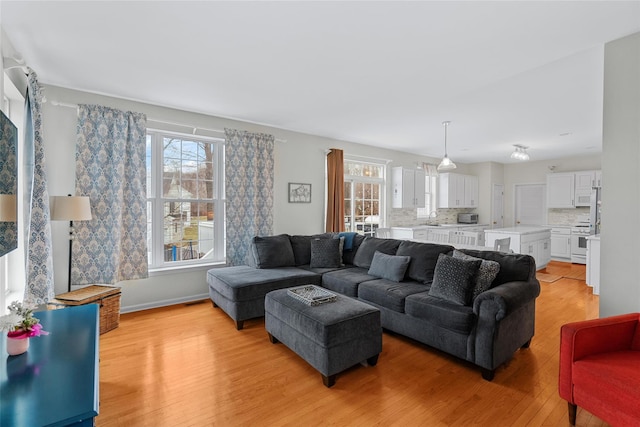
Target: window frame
(156, 202)
(431, 195)
(382, 181)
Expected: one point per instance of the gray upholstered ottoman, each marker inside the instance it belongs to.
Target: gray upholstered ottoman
(331, 337)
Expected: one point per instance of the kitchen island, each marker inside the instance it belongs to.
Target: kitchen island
(525, 239)
(425, 232)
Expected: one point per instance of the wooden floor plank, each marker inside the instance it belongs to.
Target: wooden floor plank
(187, 365)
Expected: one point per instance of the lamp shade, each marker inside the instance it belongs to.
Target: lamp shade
(70, 208)
(7, 207)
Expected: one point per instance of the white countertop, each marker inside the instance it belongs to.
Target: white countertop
(594, 237)
(521, 229)
(422, 227)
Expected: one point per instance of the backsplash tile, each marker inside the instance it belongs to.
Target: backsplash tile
(565, 216)
(407, 217)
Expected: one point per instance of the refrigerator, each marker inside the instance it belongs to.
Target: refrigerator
(595, 210)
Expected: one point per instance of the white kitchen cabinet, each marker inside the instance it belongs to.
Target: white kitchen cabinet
(598, 179)
(470, 191)
(584, 182)
(408, 188)
(561, 242)
(457, 191)
(409, 233)
(528, 240)
(561, 190)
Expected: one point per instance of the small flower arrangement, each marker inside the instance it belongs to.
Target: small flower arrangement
(20, 323)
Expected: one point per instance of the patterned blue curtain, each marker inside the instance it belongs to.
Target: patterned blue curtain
(111, 170)
(39, 259)
(248, 190)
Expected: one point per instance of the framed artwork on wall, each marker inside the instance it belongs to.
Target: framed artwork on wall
(299, 193)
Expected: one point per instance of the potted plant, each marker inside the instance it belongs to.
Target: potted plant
(20, 325)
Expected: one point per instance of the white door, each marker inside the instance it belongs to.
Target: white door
(497, 207)
(531, 206)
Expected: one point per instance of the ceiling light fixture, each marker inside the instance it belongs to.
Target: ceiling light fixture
(520, 153)
(446, 163)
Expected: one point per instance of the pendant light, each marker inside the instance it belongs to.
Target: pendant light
(446, 163)
(520, 153)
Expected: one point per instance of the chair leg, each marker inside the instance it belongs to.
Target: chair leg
(572, 413)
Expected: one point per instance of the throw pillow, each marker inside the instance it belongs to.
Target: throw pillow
(368, 248)
(390, 267)
(272, 251)
(325, 253)
(454, 279)
(486, 273)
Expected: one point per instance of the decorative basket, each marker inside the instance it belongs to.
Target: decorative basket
(108, 297)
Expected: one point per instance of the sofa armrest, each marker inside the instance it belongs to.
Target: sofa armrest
(581, 339)
(505, 298)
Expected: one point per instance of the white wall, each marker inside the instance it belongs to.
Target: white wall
(300, 159)
(620, 270)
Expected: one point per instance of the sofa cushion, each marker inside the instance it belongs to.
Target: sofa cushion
(346, 281)
(513, 267)
(349, 255)
(301, 246)
(423, 258)
(272, 251)
(454, 279)
(390, 267)
(326, 253)
(368, 248)
(388, 294)
(447, 315)
(486, 273)
(244, 283)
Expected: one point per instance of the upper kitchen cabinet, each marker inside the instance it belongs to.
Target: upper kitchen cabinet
(457, 191)
(561, 190)
(585, 181)
(571, 189)
(408, 188)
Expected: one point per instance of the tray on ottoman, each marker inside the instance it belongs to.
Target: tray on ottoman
(312, 294)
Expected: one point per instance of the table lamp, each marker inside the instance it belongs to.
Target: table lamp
(70, 208)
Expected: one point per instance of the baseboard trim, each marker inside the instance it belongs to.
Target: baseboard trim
(163, 303)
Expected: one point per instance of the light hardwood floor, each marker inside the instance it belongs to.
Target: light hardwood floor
(187, 365)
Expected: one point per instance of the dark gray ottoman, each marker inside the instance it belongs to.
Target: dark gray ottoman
(331, 337)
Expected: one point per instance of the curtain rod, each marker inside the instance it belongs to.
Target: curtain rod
(193, 132)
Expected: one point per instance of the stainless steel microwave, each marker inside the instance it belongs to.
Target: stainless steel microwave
(467, 218)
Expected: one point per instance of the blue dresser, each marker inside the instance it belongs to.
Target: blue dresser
(55, 383)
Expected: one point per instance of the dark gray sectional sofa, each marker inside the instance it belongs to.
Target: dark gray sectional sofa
(467, 307)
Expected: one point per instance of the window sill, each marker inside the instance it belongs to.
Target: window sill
(161, 271)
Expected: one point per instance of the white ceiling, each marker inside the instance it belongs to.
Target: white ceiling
(379, 73)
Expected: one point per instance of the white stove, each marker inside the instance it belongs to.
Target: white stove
(579, 233)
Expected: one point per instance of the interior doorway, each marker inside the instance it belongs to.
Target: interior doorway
(497, 206)
(530, 204)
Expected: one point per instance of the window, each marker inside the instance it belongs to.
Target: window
(430, 188)
(364, 187)
(185, 199)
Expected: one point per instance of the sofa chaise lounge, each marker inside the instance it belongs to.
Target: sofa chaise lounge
(476, 305)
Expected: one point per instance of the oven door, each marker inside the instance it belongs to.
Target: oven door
(579, 248)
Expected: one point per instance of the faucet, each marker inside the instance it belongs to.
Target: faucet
(434, 215)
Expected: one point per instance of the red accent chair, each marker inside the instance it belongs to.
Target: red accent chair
(600, 368)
